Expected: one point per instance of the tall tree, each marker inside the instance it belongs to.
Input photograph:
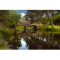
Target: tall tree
(3, 16)
(34, 15)
(54, 12)
(48, 14)
(13, 18)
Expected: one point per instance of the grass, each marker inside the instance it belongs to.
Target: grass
(49, 28)
(31, 28)
(20, 27)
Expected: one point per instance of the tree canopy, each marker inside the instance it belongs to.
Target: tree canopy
(41, 16)
(10, 17)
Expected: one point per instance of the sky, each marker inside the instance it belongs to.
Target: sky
(22, 12)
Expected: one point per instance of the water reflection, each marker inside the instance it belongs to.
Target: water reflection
(38, 40)
(23, 45)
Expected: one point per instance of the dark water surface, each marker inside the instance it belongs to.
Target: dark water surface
(36, 41)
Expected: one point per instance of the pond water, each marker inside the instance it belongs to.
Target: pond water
(36, 41)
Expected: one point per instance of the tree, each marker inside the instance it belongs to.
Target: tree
(3, 16)
(34, 15)
(13, 18)
(23, 18)
(56, 19)
(48, 14)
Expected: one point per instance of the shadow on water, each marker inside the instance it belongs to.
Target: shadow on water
(38, 40)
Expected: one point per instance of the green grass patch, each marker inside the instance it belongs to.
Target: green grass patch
(49, 28)
(20, 27)
(45, 27)
(31, 28)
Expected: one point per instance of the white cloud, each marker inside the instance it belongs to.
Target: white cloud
(22, 14)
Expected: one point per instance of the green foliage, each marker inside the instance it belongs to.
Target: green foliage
(13, 19)
(2, 47)
(56, 19)
(34, 15)
(58, 13)
(7, 34)
(31, 28)
(1, 42)
(4, 15)
(23, 18)
(44, 21)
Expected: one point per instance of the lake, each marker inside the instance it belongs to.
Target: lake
(35, 41)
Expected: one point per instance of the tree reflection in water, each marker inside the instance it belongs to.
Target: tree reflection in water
(38, 40)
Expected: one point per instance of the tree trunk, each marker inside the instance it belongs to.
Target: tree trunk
(50, 20)
(54, 12)
(57, 10)
(14, 30)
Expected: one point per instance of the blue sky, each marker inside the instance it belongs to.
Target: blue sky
(22, 11)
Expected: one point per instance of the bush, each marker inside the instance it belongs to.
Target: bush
(7, 34)
(9, 30)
